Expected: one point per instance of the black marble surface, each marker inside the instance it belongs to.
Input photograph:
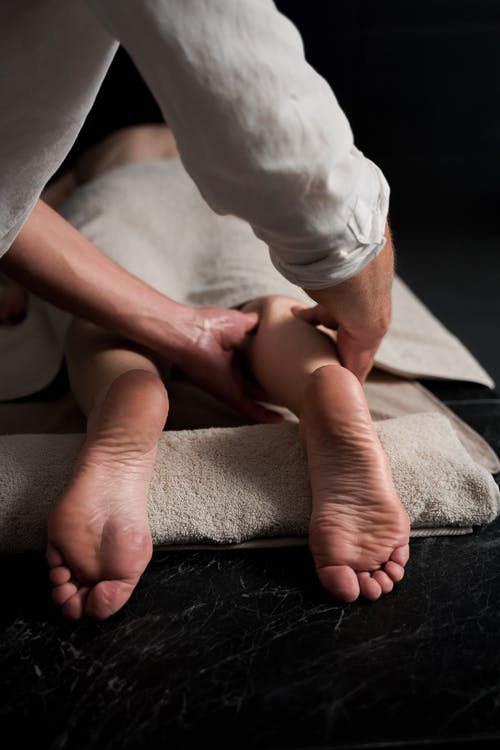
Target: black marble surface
(243, 649)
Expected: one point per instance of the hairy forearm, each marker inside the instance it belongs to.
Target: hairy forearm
(359, 309)
(56, 262)
(365, 298)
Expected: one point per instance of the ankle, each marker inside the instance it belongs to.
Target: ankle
(326, 374)
(130, 415)
(323, 380)
(328, 389)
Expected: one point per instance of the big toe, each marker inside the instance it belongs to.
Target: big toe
(341, 581)
(107, 597)
(401, 555)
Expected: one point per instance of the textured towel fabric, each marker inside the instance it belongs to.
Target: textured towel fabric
(389, 396)
(231, 485)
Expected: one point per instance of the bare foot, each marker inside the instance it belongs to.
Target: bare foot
(99, 541)
(359, 529)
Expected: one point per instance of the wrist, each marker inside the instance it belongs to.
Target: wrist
(371, 284)
(54, 261)
(168, 328)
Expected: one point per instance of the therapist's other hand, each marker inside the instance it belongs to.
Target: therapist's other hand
(359, 309)
(214, 361)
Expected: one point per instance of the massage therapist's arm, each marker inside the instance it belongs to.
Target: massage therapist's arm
(275, 149)
(359, 309)
(56, 262)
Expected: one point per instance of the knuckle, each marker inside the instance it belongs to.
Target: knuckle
(381, 324)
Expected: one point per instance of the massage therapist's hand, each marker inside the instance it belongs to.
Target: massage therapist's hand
(359, 309)
(56, 262)
(213, 360)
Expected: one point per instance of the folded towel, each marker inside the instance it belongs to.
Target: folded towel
(389, 396)
(227, 486)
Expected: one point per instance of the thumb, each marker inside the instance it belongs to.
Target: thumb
(317, 315)
(309, 314)
(251, 321)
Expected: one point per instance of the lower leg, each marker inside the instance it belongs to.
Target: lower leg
(128, 145)
(99, 539)
(359, 529)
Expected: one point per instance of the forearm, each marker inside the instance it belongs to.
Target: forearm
(366, 297)
(359, 309)
(56, 262)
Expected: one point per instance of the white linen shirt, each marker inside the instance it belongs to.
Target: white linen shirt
(259, 131)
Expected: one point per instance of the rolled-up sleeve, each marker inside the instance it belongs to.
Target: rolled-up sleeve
(259, 131)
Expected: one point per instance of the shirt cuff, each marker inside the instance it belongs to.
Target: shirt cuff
(362, 240)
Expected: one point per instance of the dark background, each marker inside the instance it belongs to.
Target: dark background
(243, 649)
(419, 81)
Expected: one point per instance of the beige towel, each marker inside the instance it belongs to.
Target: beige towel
(151, 219)
(231, 485)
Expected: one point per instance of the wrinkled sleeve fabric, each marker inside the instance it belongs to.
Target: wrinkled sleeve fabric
(54, 55)
(259, 131)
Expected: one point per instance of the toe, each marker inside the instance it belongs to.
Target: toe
(73, 607)
(369, 587)
(59, 575)
(401, 555)
(54, 557)
(385, 583)
(341, 581)
(107, 597)
(394, 571)
(61, 594)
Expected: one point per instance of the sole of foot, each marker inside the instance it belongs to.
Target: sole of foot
(99, 541)
(359, 529)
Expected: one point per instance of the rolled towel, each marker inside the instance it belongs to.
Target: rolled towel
(225, 486)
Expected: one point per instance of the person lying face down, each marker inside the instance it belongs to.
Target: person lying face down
(275, 149)
(99, 541)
